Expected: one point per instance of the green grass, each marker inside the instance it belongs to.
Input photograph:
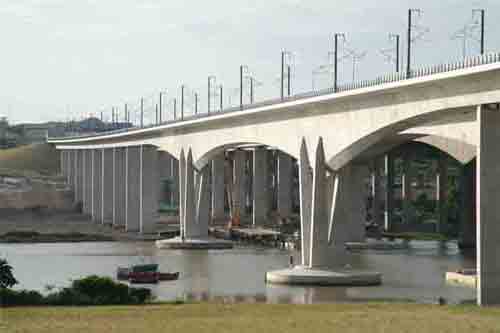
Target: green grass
(30, 160)
(241, 318)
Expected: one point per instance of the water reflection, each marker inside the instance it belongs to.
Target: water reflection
(237, 275)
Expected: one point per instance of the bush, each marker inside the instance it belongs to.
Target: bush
(23, 297)
(91, 290)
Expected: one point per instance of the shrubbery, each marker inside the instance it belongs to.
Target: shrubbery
(91, 290)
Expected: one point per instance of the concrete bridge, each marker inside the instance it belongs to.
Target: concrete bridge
(332, 135)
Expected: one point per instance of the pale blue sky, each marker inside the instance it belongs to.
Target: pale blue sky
(64, 59)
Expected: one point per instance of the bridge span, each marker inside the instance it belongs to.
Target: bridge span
(331, 135)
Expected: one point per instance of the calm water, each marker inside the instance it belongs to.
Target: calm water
(238, 274)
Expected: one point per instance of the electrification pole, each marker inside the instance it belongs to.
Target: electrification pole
(251, 90)
(175, 108)
(288, 80)
(161, 95)
(482, 13)
(336, 60)
(396, 37)
(408, 55)
(182, 102)
(241, 86)
(220, 91)
(195, 103)
(282, 73)
(142, 112)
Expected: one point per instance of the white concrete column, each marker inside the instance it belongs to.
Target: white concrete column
(107, 186)
(488, 208)
(305, 193)
(239, 196)
(285, 164)
(442, 192)
(119, 187)
(389, 190)
(189, 198)
(87, 181)
(149, 189)
(79, 176)
(218, 190)
(97, 185)
(132, 188)
(260, 187)
(71, 168)
(62, 163)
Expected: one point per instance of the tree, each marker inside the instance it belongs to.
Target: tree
(7, 279)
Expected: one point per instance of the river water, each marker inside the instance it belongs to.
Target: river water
(236, 275)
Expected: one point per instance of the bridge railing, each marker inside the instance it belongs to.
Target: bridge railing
(468, 62)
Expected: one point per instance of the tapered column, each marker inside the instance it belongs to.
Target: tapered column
(189, 198)
(218, 195)
(87, 181)
(78, 176)
(107, 186)
(119, 187)
(441, 193)
(389, 190)
(488, 209)
(132, 189)
(239, 197)
(97, 185)
(284, 184)
(260, 187)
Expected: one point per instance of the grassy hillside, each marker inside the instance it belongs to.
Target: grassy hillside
(36, 159)
(209, 317)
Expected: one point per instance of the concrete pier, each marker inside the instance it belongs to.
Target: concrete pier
(148, 189)
(218, 190)
(132, 189)
(87, 181)
(119, 187)
(284, 190)
(324, 255)
(71, 168)
(97, 185)
(107, 186)
(488, 209)
(78, 176)
(261, 197)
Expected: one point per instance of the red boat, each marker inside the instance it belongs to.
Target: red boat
(144, 274)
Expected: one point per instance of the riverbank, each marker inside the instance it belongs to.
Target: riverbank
(217, 317)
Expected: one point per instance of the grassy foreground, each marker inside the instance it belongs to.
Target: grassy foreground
(240, 318)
